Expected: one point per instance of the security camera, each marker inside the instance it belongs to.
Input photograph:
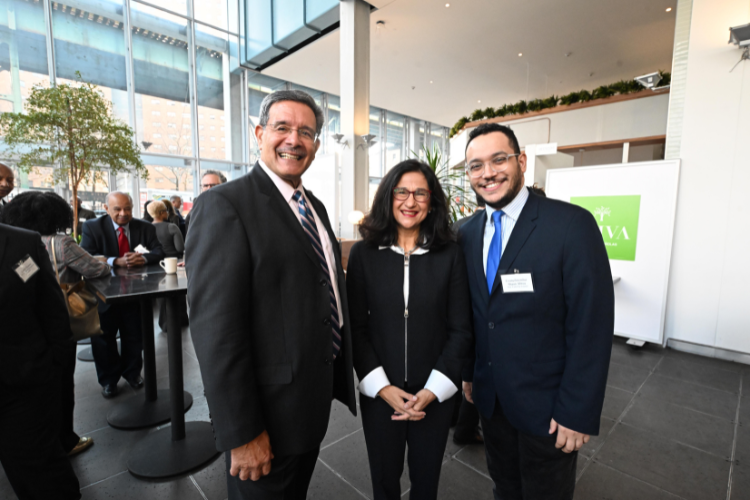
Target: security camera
(650, 80)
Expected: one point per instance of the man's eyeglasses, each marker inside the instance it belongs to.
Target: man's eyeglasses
(209, 186)
(498, 164)
(306, 134)
(420, 195)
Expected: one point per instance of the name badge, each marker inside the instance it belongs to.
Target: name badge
(26, 268)
(517, 283)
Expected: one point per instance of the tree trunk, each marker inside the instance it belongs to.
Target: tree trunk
(75, 206)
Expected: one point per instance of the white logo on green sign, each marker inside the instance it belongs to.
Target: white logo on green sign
(620, 229)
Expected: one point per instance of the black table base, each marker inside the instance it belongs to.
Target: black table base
(137, 413)
(86, 355)
(181, 447)
(158, 456)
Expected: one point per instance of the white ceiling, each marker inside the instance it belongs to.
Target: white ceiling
(470, 52)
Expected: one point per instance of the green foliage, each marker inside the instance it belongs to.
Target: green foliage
(521, 107)
(71, 127)
(450, 180)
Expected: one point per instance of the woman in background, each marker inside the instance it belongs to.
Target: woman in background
(410, 314)
(50, 216)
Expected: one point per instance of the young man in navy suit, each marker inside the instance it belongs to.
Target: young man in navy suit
(543, 304)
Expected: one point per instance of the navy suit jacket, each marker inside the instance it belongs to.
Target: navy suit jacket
(545, 354)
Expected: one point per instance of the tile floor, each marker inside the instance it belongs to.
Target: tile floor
(674, 426)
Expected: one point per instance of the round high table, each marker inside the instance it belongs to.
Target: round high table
(181, 447)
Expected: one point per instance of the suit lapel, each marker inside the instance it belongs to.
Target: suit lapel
(110, 237)
(135, 236)
(3, 247)
(280, 206)
(475, 234)
(521, 232)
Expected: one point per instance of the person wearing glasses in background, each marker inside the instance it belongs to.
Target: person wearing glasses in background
(411, 325)
(543, 303)
(209, 179)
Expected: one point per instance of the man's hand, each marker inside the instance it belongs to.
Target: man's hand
(468, 386)
(423, 398)
(568, 439)
(134, 259)
(252, 460)
(397, 399)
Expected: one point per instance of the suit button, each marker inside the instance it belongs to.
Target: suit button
(491, 326)
(326, 321)
(489, 363)
(323, 282)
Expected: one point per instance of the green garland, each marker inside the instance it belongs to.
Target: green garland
(522, 107)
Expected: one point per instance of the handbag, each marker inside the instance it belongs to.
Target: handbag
(82, 306)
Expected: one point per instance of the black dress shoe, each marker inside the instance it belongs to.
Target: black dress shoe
(137, 383)
(109, 391)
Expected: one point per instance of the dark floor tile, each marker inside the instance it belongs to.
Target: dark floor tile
(325, 484)
(740, 482)
(596, 441)
(627, 377)
(700, 373)
(705, 432)
(704, 360)
(615, 402)
(745, 399)
(626, 355)
(341, 423)
(87, 385)
(460, 482)
(90, 413)
(349, 458)
(212, 480)
(742, 449)
(83, 366)
(128, 487)
(474, 457)
(451, 448)
(199, 411)
(6, 492)
(679, 469)
(697, 397)
(108, 455)
(600, 482)
(581, 465)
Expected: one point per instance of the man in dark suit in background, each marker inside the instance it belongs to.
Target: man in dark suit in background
(268, 309)
(177, 205)
(543, 305)
(34, 339)
(116, 236)
(84, 214)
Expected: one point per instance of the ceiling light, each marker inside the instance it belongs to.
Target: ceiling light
(669, 9)
(430, 81)
(447, 5)
(479, 101)
(520, 54)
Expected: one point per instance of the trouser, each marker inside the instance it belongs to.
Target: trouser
(68, 438)
(288, 480)
(35, 463)
(110, 364)
(387, 440)
(526, 467)
(467, 422)
(180, 310)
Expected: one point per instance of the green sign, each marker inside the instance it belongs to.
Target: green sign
(617, 217)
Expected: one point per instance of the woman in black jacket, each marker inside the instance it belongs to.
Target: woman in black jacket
(410, 316)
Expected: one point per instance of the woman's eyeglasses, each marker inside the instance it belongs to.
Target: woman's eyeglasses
(420, 195)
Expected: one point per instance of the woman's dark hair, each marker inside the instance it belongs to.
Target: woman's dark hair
(42, 211)
(147, 216)
(379, 227)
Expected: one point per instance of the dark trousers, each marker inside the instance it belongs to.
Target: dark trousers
(467, 422)
(68, 438)
(289, 479)
(110, 364)
(30, 450)
(526, 467)
(386, 443)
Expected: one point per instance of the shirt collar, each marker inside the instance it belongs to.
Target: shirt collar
(512, 209)
(400, 251)
(117, 226)
(286, 190)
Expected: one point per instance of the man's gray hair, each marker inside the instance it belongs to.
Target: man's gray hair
(291, 95)
(120, 193)
(218, 174)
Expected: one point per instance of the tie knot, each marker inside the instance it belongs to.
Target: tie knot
(297, 196)
(120, 230)
(496, 216)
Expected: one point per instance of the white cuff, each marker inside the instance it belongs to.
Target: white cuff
(111, 262)
(440, 385)
(371, 385)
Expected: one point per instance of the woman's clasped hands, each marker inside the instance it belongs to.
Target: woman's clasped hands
(406, 406)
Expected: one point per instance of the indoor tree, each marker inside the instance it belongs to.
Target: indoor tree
(450, 180)
(73, 128)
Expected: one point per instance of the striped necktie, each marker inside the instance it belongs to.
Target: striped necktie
(311, 230)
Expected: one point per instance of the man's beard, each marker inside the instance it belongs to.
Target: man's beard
(516, 183)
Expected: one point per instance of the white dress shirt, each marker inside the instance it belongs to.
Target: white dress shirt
(287, 192)
(508, 220)
(440, 385)
(126, 230)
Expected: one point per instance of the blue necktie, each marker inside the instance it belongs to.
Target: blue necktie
(311, 230)
(496, 249)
